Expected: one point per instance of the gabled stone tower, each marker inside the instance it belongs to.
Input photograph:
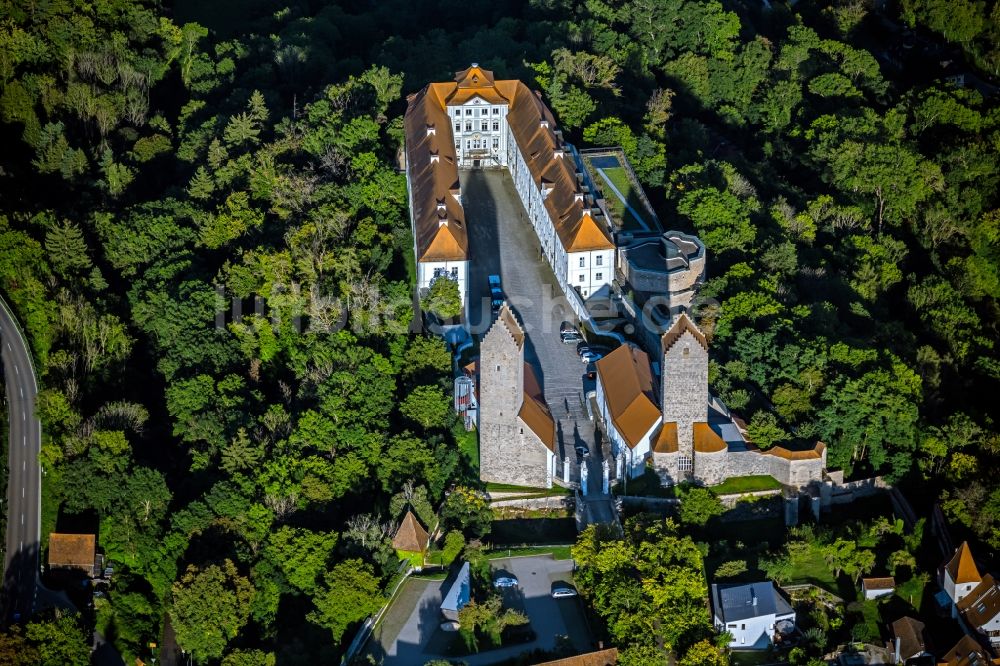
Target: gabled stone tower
(685, 385)
(516, 429)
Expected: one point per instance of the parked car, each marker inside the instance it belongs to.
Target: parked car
(582, 451)
(569, 337)
(450, 626)
(591, 356)
(563, 592)
(505, 581)
(582, 348)
(496, 293)
(566, 326)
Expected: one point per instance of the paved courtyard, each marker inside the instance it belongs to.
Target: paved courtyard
(409, 634)
(502, 242)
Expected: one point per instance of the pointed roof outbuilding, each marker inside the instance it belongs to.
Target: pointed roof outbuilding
(962, 568)
(410, 537)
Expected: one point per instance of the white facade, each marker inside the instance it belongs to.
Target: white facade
(631, 459)
(752, 632)
(589, 271)
(957, 592)
(428, 271)
(480, 133)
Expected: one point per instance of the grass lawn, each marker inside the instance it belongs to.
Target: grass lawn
(557, 552)
(812, 568)
(619, 178)
(468, 444)
(746, 484)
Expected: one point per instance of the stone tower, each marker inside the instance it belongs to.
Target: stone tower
(501, 393)
(685, 384)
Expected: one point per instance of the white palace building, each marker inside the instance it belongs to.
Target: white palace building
(476, 121)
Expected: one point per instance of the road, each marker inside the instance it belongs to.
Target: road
(503, 242)
(24, 486)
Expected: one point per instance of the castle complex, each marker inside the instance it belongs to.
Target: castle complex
(690, 436)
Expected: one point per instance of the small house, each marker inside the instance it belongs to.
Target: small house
(873, 588)
(980, 609)
(626, 396)
(907, 640)
(458, 594)
(410, 540)
(968, 652)
(753, 613)
(74, 551)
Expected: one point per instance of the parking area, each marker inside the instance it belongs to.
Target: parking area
(410, 634)
(502, 242)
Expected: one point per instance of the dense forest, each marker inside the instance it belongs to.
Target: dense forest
(204, 231)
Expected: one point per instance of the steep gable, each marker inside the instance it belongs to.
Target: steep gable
(628, 389)
(961, 567)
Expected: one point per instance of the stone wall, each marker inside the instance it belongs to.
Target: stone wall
(685, 388)
(713, 468)
(665, 465)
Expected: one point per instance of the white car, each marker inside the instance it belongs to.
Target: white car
(590, 356)
(450, 626)
(505, 581)
(563, 592)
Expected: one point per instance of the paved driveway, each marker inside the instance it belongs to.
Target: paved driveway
(502, 242)
(409, 634)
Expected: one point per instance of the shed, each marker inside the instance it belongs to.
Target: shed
(873, 588)
(410, 536)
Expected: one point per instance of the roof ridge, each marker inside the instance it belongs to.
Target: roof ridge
(673, 334)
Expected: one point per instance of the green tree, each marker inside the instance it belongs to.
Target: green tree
(698, 506)
(443, 298)
(350, 592)
(208, 608)
(764, 430)
(466, 509)
(428, 406)
(61, 641)
(721, 219)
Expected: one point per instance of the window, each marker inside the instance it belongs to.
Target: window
(468, 112)
(498, 368)
(485, 126)
(496, 125)
(468, 126)
(458, 112)
(582, 280)
(600, 260)
(458, 145)
(454, 271)
(685, 464)
(496, 142)
(468, 144)
(598, 276)
(458, 127)
(496, 110)
(583, 262)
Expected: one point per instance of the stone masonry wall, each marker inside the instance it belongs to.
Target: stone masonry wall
(713, 468)
(501, 391)
(685, 388)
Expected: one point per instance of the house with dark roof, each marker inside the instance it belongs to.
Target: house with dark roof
(980, 609)
(754, 614)
(908, 640)
(517, 434)
(968, 652)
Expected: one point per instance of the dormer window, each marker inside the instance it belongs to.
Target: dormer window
(578, 197)
(435, 158)
(544, 124)
(441, 207)
(547, 188)
(558, 153)
(431, 131)
(443, 221)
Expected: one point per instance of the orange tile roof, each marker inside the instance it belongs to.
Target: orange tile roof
(982, 604)
(674, 333)
(72, 550)
(433, 176)
(797, 454)
(961, 567)
(967, 652)
(533, 127)
(886, 583)
(410, 535)
(628, 389)
(535, 413)
(607, 657)
(665, 440)
(707, 440)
